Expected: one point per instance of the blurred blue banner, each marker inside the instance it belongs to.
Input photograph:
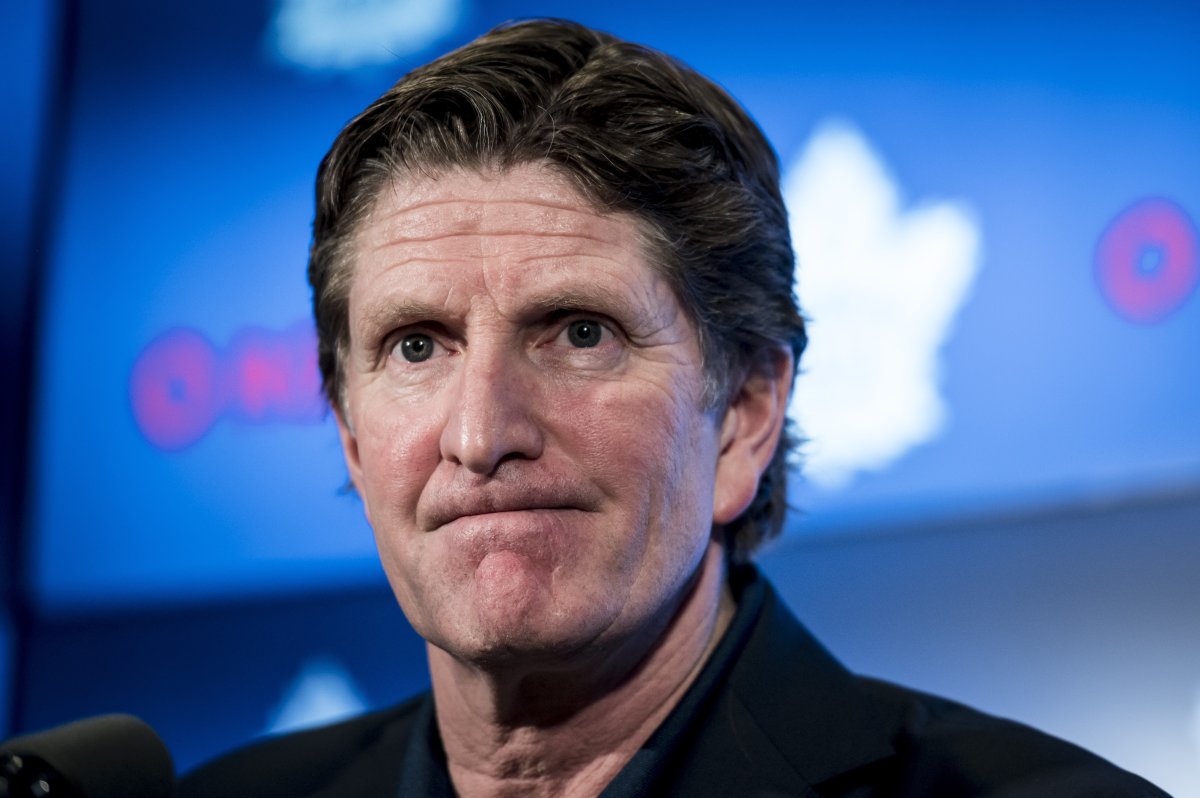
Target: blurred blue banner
(995, 222)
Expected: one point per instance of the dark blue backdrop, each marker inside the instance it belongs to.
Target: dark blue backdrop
(183, 480)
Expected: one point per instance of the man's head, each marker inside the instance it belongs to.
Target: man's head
(635, 133)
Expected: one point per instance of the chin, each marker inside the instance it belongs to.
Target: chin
(497, 631)
(520, 645)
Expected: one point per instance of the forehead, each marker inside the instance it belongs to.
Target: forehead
(413, 210)
(507, 234)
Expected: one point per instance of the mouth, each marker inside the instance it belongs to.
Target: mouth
(490, 509)
(514, 514)
(517, 496)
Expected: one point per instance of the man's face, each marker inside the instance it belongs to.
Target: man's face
(524, 417)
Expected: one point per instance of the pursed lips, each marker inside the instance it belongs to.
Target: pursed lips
(505, 514)
(483, 503)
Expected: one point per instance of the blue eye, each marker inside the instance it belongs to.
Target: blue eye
(584, 333)
(416, 347)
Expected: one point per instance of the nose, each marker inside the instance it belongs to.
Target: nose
(491, 418)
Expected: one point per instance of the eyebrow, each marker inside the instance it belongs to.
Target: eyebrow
(588, 298)
(380, 317)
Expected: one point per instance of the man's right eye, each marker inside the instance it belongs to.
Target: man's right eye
(415, 347)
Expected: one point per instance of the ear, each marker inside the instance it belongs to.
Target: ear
(750, 432)
(349, 449)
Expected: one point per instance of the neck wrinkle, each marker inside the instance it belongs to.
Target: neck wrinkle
(575, 747)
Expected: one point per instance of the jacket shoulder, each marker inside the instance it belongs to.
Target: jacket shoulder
(946, 748)
(350, 757)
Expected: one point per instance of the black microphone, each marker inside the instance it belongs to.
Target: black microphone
(109, 756)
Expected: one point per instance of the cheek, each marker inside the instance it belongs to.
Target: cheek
(398, 450)
(656, 453)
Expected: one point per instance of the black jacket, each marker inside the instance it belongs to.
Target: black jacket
(772, 714)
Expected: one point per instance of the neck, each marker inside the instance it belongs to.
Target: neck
(567, 730)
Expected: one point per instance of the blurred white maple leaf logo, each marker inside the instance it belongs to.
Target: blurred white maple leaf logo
(348, 34)
(323, 692)
(881, 286)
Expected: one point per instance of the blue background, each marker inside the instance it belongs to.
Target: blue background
(1037, 558)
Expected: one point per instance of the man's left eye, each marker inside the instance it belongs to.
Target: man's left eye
(584, 333)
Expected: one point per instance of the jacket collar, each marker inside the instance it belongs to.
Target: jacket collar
(800, 696)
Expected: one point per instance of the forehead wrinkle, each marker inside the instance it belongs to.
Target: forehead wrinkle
(446, 219)
(433, 248)
(512, 261)
(472, 201)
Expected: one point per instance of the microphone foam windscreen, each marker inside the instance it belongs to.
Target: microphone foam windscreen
(109, 756)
